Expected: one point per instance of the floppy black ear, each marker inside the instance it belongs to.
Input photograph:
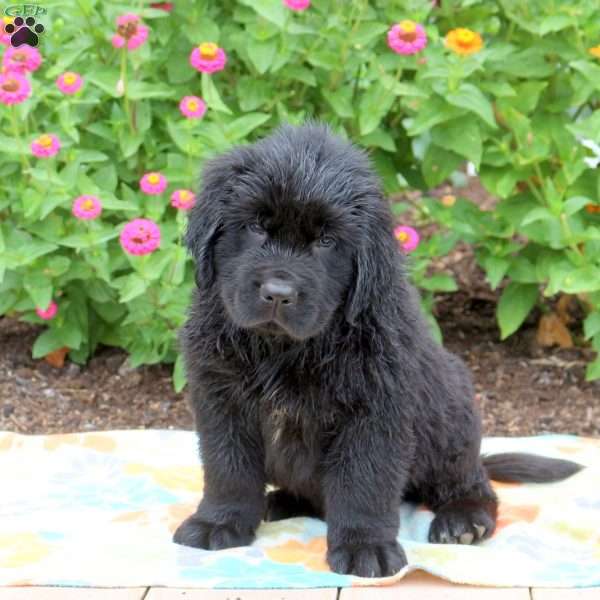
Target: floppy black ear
(205, 222)
(377, 265)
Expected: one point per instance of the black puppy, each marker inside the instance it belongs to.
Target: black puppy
(311, 367)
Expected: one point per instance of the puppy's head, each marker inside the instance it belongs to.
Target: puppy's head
(290, 230)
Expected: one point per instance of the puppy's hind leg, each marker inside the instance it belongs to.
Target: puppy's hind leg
(466, 509)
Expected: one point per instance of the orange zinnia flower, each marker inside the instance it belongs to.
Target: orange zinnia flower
(464, 41)
(595, 51)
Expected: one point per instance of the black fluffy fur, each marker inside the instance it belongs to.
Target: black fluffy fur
(340, 398)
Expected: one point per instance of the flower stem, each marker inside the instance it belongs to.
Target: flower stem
(124, 82)
(17, 134)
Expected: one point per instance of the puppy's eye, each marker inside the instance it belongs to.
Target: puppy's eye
(256, 227)
(326, 241)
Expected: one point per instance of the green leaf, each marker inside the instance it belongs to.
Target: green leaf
(131, 287)
(374, 105)
(495, 269)
(589, 70)
(540, 213)
(439, 282)
(340, 101)
(179, 378)
(39, 288)
(272, 10)
(379, 138)
(438, 164)
(592, 371)
(211, 95)
(253, 93)
(262, 54)
(574, 204)
(471, 98)
(106, 80)
(462, 136)
(367, 31)
(240, 128)
(432, 112)
(515, 304)
(140, 90)
(591, 325)
(47, 342)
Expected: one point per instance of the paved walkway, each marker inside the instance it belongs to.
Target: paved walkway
(416, 586)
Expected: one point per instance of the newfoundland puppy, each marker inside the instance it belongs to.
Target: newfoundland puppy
(312, 369)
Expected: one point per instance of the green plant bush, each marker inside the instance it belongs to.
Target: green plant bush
(516, 109)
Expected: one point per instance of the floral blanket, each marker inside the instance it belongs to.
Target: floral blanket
(99, 509)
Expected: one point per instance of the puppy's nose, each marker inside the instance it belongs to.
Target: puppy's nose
(280, 291)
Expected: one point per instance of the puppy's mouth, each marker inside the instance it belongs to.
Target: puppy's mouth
(271, 328)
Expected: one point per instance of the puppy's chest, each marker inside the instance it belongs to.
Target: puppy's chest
(294, 441)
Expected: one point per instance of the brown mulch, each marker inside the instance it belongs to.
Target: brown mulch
(522, 389)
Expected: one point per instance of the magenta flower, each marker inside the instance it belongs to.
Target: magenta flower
(69, 82)
(49, 313)
(45, 146)
(14, 88)
(183, 199)
(407, 37)
(140, 236)
(192, 107)
(130, 32)
(153, 184)
(87, 207)
(208, 58)
(297, 5)
(407, 236)
(23, 59)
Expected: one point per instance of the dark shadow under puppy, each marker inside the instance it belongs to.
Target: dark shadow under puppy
(311, 367)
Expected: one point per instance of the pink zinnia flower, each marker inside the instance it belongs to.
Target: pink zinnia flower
(14, 88)
(140, 236)
(22, 59)
(87, 207)
(208, 58)
(297, 5)
(130, 32)
(69, 82)
(45, 146)
(192, 107)
(407, 37)
(153, 184)
(407, 236)
(183, 199)
(49, 313)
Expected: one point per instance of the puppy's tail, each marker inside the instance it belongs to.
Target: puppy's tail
(517, 467)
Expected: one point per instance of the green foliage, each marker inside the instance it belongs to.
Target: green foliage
(516, 110)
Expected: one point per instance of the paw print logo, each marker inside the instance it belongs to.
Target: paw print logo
(24, 31)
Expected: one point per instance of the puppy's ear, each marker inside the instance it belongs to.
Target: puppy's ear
(377, 264)
(205, 222)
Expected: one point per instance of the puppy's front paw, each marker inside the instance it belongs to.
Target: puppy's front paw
(197, 533)
(367, 560)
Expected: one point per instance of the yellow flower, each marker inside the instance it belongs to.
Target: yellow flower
(595, 51)
(464, 41)
(448, 200)
(45, 140)
(153, 178)
(208, 50)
